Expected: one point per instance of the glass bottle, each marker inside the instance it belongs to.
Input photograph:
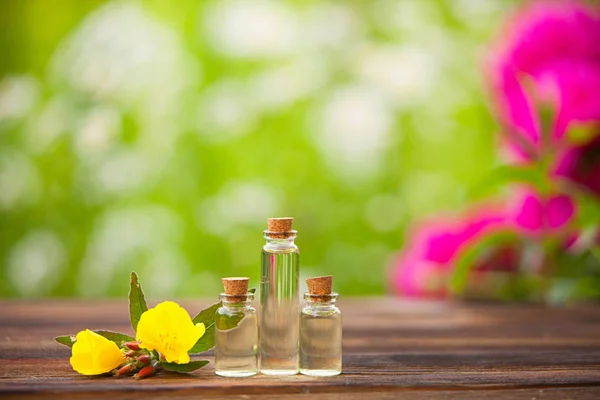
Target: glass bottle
(236, 349)
(320, 336)
(279, 299)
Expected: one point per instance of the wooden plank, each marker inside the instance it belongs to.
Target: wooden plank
(585, 393)
(390, 348)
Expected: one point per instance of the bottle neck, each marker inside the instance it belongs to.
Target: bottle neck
(280, 239)
(236, 301)
(321, 301)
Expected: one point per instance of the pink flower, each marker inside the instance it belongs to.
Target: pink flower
(425, 267)
(546, 78)
(551, 56)
(417, 277)
(549, 31)
(574, 86)
(535, 215)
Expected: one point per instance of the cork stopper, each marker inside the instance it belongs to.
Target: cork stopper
(320, 285)
(280, 227)
(235, 286)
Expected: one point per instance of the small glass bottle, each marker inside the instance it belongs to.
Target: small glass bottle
(320, 331)
(236, 349)
(279, 299)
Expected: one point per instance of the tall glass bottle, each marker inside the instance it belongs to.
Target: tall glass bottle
(236, 348)
(279, 299)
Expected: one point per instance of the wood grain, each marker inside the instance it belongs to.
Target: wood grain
(392, 349)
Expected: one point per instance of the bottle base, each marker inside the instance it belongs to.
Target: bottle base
(236, 374)
(281, 372)
(320, 372)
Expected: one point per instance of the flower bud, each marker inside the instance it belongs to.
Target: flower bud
(144, 359)
(130, 353)
(132, 346)
(145, 372)
(125, 369)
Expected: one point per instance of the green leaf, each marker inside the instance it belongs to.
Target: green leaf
(206, 342)
(115, 336)
(468, 257)
(207, 317)
(137, 302)
(580, 133)
(547, 118)
(588, 208)
(596, 252)
(253, 290)
(227, 322)
(67, 340)
(502, 175)
(189, 367)
(568, 290)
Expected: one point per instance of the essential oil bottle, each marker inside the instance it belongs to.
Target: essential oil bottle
(280, 263)
(320, 330)
(236, 349)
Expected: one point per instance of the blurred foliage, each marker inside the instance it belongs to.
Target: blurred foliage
(157, 136)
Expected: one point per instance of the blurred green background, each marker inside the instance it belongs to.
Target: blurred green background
(158, 136)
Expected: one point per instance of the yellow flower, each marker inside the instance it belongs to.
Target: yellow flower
(93, 354)
(168, 329)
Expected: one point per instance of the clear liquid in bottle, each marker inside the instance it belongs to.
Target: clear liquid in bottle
(320, 330)
(236, 331)
(320, 344)
(279, 318)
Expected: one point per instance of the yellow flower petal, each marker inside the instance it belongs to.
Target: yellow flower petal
(168, 329)
(93, 354)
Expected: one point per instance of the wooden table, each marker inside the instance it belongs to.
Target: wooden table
(392, 349)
